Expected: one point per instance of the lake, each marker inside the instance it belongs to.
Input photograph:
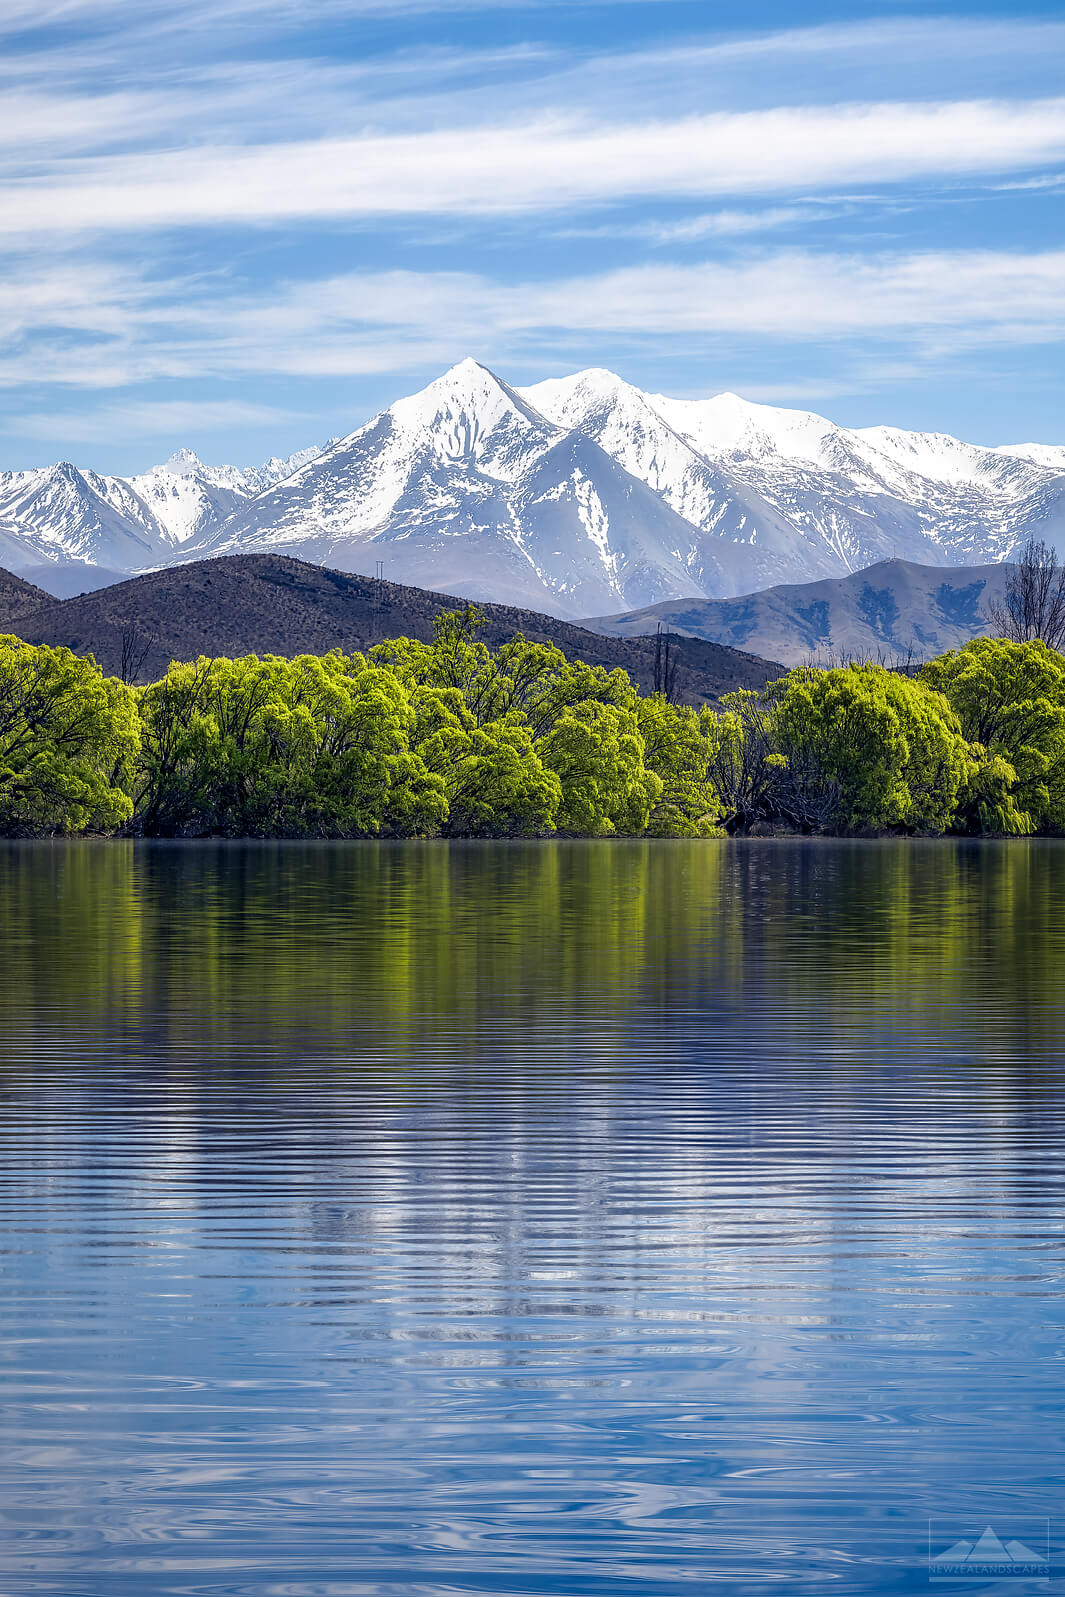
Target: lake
(576, 1218)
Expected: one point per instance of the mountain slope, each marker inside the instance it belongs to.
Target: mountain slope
(466, 485)
(810, 498)
(890, 610)
(18, 598)
(60, 513)
(272, 604)
(188, 498)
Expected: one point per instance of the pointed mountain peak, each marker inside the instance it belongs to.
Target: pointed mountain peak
(588, 398)
(471, 414)
(467, 381)
(183, 460)
(467, 378)
(598, 377)
(469, 367)
(593, 380)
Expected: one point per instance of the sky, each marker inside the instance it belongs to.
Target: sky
(243, 226)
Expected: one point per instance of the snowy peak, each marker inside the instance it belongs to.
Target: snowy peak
(60, 513)
(468, 487)
(188, 498)
(939, 458)
(182, 460)
(570, 400)
(728, 426)
(470, 415)
(584, 488)
(1050, 456)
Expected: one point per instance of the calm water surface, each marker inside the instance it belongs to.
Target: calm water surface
(496, 1219)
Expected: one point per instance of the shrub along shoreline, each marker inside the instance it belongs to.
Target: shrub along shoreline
(419, 740)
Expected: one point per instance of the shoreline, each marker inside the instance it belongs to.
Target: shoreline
(822, 839)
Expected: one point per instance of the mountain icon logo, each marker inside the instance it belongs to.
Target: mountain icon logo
(1024, 1557)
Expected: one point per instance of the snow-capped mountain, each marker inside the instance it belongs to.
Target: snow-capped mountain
(577, 496)
(58, 513)
(188, 498)
(1052, 456)
(466, 488)
(810, 497)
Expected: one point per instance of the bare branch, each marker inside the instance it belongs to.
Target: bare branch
(1034, 602)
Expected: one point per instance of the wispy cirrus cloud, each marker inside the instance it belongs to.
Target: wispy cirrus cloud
(179, 15)
(369, 322)
(795, 294)
(707, 225)
(225, 196)
(547, 166)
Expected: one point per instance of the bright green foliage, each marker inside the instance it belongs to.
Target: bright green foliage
(1010, 698)
(311, 747)
(495, 783)
(447, 738)
(892, 750)
(987, 800)
(849, 749)
(533, 679)
(678, 747)
(530, 739)
(597, 753)
(68, 737)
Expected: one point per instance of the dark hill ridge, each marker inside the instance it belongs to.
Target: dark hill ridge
(271, 604)
(893, 610)
(19, 598)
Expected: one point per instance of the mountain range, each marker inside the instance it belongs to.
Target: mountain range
(576, 496)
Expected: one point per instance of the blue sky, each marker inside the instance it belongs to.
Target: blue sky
(245, 225)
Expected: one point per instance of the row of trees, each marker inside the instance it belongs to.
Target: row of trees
(448, 739)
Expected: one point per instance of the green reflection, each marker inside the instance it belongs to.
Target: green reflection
(379, 952)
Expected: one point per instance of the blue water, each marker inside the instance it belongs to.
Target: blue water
(512, 1219)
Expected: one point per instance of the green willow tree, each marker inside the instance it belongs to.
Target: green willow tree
(450, 739)
(494, 781)
(555, 743)
(311, 747)
(69, 738)
(851, 749)
(890, 751)
(680, 745)
(1010, 699)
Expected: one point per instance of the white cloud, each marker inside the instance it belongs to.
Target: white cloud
(549, 165)
(1056, 180)
(189, 17)
(798, 294)
(711, 224)
(100, 330)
